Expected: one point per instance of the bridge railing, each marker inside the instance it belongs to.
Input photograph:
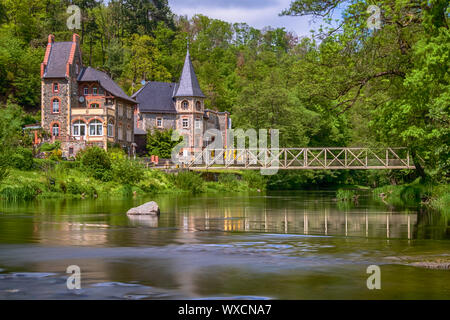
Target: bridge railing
(303, 158)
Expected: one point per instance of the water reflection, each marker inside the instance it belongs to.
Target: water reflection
(280, 245)
(95, 222)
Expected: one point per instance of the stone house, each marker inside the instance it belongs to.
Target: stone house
(178, 106)
(81, 105)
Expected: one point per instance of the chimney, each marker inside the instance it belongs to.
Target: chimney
(76, 38)
(51, 40)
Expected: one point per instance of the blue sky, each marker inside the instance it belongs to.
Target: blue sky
(256, 13)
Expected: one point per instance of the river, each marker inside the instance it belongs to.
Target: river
(280, 245)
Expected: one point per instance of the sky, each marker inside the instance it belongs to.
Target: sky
(256, 13)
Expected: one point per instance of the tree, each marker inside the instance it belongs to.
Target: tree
(159, 143)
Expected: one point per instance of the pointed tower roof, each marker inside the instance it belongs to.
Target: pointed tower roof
(188, 85)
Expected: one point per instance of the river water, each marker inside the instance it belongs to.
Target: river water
(284, 245)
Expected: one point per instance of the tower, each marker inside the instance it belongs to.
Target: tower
(189, 104)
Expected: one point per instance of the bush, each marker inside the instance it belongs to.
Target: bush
(97, 162)
(126, 171)
(46, 147)
(254, 179)
(188, 181)
(22, 159)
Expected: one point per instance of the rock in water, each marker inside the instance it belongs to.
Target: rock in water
(149, 208)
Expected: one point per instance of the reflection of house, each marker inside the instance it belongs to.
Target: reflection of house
(178, 106)
(81, 105)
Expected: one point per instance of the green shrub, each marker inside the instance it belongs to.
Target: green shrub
(97, 162)
(46, 147)
(126, 171)
(229, 180)
(254, 179)
(95, 158)
(188, 181)
(22, 159)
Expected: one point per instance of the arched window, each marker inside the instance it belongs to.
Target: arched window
(55, 105)
(55, 130)
(199, 106)
(79, 128)
(95, 128)
(185, 105)
(110, 128)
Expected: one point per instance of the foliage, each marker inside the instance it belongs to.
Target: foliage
(97, 161)
(22, 158)
(159, 143)
(188, 181)
(127, 172)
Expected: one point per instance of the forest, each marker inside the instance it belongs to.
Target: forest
(344, 85)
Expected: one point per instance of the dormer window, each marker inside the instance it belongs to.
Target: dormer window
(86, 91)
(185, 105)
(55, 87)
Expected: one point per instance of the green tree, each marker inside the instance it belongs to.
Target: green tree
(159, 143)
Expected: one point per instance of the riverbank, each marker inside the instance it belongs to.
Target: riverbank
(64, 182)
(436, 197)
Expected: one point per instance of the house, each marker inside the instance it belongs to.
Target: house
(178, 106)
(80, 105)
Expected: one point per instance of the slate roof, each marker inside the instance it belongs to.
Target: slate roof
(57, 61)
(156, 97)
(91, 74)
(188, 85)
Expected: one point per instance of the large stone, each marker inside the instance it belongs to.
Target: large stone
(149, 208)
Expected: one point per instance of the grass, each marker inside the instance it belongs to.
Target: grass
(346, 194)
(67, 180)
(433, 196)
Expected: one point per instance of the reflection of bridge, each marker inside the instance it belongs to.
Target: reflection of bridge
(302, 158)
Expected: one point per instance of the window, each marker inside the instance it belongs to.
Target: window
(55, 105)
(120, 132)
(55, 130)
(86, 91)
(129, 135)
(120, 110)
(94, 91)
(79, 128)
(159, 122)
(110, 128)
(185, 105)
(199, 106)
(95, 128)
(129, 113)
(185, 123)
(95, 106)
(55, 87)
(101, 91)
(198, 123)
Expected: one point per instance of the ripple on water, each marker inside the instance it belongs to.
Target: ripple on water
(35, 275)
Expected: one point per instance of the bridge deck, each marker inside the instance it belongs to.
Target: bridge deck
(302, 159)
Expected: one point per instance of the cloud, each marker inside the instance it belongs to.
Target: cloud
(256, 13)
